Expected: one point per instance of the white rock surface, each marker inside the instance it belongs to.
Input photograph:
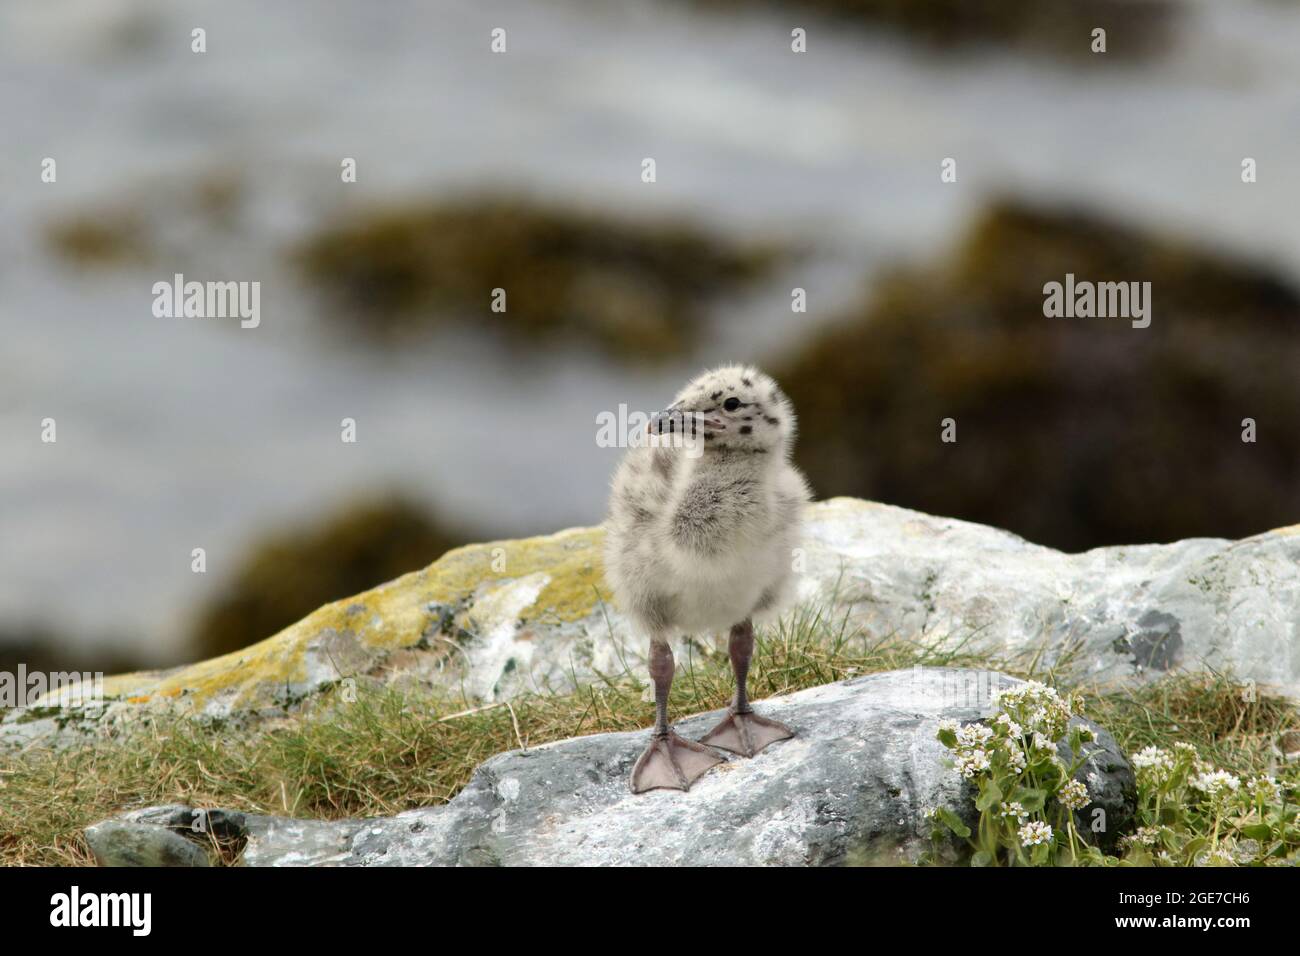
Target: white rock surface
(1135, 612)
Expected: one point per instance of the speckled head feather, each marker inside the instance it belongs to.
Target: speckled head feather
(756, 415)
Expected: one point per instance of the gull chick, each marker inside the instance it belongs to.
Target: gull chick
(704, 518)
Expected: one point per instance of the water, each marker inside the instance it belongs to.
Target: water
(176, 434)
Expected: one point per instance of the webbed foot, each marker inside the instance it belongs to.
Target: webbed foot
(746, 733)
(672, 762)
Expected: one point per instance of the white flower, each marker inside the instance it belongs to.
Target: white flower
(1147, 835)
(948, 724)
(1073, 795)
(974, 735)
(1034, 833)
(1216, 783)
(1263, 787)
(971, 763)
(1152, 757)
(1036, 708)
(1012, 728)
(1014, 811)
(1153, 765)
(1015, 756)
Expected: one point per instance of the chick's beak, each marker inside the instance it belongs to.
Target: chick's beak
(677, 420)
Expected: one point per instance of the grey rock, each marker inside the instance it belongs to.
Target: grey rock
(1121, 615)
(127, 843)
(279, 841)
(1111, 783)
(851, 787)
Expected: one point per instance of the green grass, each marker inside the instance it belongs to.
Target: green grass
(391, 750)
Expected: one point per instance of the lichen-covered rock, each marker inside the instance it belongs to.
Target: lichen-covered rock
(852, 787)
(492, 620)
(290, 571)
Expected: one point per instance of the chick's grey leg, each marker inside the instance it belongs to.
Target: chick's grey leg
(740, 646)
(670, 761)
(742, 731)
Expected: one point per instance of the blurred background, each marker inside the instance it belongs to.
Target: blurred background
(522, 170)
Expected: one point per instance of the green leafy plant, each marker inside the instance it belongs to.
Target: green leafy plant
(1025, 793)
(1192, 814)
(1189, 813)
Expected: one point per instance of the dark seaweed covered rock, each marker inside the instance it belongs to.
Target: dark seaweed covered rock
(1074, 432)
(1133, 28)
(631, 289)
(175, 223)
(289, 574)
(39, 647)
(99, 239)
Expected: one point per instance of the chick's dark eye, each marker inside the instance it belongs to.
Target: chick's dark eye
(731, 404)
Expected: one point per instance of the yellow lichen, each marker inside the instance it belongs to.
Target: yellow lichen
(571, 560)
(390, 616)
